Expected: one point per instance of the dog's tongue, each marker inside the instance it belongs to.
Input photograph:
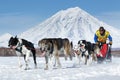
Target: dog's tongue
(42, 54)
(13, 47)
(82, 46)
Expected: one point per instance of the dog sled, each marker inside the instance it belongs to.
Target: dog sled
(105, 54)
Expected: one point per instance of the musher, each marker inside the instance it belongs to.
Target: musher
(101, 36)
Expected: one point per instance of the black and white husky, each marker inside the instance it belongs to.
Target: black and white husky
(24, 47)
(88, 50)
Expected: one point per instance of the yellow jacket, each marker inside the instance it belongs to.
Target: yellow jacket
(100, 38)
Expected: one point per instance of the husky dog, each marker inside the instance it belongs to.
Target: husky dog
(24, 47)
(88, 50)
(53, 47)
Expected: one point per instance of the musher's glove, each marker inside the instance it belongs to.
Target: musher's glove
(110, 42)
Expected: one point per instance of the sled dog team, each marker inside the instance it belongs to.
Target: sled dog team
(51, 48)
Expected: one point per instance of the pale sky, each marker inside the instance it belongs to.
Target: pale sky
(17, 16)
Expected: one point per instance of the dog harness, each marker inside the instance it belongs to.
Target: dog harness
(19, 46)
(83, 52)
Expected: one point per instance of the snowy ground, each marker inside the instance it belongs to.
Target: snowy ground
(107, 71)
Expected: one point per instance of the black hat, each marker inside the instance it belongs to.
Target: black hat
(101, 28)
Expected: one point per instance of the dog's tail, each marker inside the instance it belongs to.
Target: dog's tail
(71, 50)
(71, 44)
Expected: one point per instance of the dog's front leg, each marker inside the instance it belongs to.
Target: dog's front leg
(46, 59)
(79, 58)
(19, 62)
(85, 59)
(52, 61)
(19, 59)
(27, 59)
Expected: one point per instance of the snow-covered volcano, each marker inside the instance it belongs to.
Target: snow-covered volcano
(73, 23)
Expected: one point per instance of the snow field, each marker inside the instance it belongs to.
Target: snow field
(107, 71)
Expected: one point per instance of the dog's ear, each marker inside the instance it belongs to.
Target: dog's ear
(78, 42)
(11, 38)
(16, 36)
(84, 41)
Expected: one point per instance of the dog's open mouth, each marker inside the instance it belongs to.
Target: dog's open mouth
(42, 53)
(13, 47)
(81, 46)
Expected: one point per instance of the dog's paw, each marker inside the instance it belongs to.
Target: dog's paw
(20, 66)
(45, 68)
(27, 69)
